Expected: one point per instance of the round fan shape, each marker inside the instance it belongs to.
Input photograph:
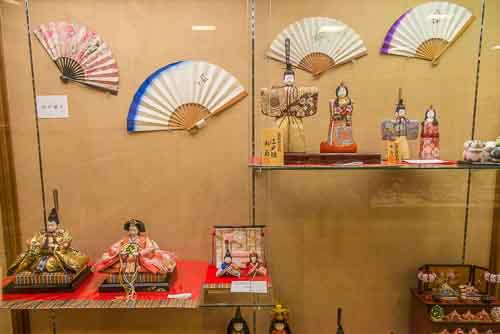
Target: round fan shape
(318, 44)
(80, 54)
(182, 96)
(427, 30)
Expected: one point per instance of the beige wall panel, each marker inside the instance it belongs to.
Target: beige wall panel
(176, 182)
(349, 239)
(358, 237)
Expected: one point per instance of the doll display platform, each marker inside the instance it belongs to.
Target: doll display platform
(189, 280)
(224, 282)
(145, 282)
(45, 282)
(331, 158)
(468, 314)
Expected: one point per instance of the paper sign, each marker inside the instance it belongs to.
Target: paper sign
(249, 286)
(272, 147)
(52, 106)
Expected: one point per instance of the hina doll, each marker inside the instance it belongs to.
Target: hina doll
(279, 322)
(238, 325)
(289, 104)
(255, 266)
(397, 132)
(227, 267)
(340, 139)
(50, 251)
(136, 252)
(429, 137)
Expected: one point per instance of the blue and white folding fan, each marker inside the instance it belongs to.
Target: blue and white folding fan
(427, 30)
(182, 96)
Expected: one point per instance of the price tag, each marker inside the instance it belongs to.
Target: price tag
(249, 286)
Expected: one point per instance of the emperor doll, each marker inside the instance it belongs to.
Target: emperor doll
(49, 261)
(340, 138)
(289, 104)
(397, 132)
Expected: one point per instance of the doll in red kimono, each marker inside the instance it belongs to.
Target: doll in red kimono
(136, 252)
(255, 266)
(279, 322)
(429, 137)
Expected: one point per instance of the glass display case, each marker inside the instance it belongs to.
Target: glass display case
(138, 159)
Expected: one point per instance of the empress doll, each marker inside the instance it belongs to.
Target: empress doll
(340, 138)
(50, 251)
(136, 252)
(429, 137)
(255, 266)
(227, 267)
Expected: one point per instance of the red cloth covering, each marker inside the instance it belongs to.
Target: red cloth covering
(211, 278)
(190, 275)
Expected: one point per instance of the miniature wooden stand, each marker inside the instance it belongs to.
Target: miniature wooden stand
(331, 158)
(150, 282)
(14, 287)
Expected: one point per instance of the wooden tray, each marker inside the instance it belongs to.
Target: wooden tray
(13, 288)
(331, 158)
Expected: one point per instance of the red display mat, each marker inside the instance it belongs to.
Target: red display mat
(214, 282)
(190, 279)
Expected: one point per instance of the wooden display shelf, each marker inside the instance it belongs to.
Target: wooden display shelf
(421, 323)
(190, 278)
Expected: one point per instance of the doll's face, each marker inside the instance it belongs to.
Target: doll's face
(253, 259)
(279, 326)
(238, 326)
(431, 114)
(133, 231)
(228, 260)
(289, 79)
(51, 226)
(401, 112)
(342, 92)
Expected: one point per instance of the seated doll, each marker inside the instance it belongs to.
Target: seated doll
(137, 256)
(50, 251)
(227, 267)
(255, 266)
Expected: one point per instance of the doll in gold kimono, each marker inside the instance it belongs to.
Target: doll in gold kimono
(288, 104)
(49, 251)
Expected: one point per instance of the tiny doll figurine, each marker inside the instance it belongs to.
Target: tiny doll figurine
(429, 137)
(238, 325)
(254, 266)
(340, 139)
(228, 268)
(289, 104)
(279, 322)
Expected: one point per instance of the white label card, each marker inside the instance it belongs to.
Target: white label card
(249, 286)
(52, 106)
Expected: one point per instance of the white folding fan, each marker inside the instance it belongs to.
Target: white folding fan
(318, 44)
(80, 54)
(427, 30)
(182, 96)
